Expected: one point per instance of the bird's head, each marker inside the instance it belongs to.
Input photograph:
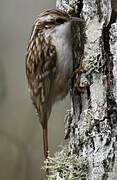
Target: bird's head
(53, 17)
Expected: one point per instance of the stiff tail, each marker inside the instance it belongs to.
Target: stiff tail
(45, 141)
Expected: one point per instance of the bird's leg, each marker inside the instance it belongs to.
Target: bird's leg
(45, 141)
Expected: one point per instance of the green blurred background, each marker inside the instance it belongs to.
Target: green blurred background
(21, 148)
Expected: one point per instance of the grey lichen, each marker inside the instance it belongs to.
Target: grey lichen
(86, 129)
(89, 121)
(113, 49)
(64, 166)
(70, 6)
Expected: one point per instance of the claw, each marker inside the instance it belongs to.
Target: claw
(76, 74)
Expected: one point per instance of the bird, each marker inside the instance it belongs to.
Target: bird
(49, 63)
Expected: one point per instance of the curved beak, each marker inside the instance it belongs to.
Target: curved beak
(77, 19)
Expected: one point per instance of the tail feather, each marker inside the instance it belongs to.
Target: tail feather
(45, 141)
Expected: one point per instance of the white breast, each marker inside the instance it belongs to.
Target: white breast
(61, 38)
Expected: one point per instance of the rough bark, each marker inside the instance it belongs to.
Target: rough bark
(91, 123)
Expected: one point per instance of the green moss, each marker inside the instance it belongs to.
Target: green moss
(66, 166)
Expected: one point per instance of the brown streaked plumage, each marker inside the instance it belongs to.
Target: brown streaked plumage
(49, 63)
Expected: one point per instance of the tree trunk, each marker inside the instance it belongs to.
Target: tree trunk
(91, 124)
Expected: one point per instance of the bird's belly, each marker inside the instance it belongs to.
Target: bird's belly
(64, 72)
(62, 41)
(61, 87)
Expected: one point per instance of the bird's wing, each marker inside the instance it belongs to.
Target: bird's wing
(40, 64)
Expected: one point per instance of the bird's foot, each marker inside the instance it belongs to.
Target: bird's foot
(77, 77)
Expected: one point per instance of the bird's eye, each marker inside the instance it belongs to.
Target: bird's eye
(60, 21)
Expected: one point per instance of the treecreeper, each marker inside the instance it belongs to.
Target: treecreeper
(49, 63)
